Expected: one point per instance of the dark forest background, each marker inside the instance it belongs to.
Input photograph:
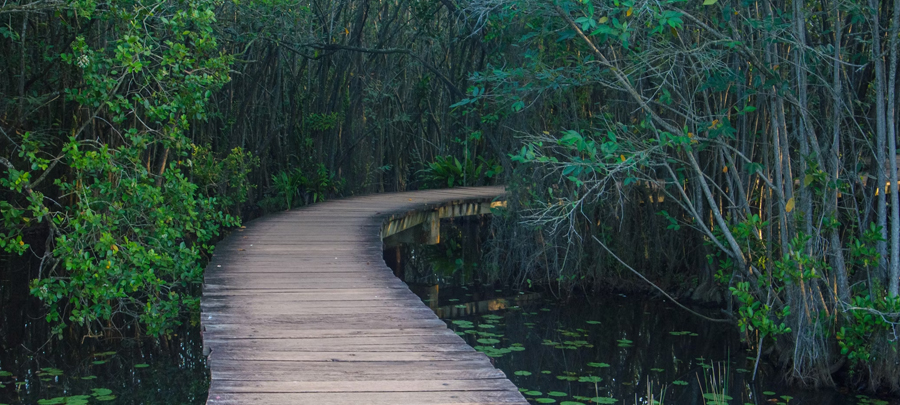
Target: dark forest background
(736, 152)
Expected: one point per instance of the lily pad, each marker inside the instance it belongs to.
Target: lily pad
(48, 371)
(99, 392)
(522, 373)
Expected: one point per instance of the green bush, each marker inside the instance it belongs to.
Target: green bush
(448, 171)
(128, 228)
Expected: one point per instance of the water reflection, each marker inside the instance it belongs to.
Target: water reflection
(36, 368)
(609, 349)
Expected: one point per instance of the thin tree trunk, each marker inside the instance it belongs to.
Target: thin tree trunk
(838, 264)
(880, 139)
(894, 283)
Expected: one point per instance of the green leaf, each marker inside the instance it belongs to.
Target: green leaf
(709, 2)
(99, 392)
(808, 180)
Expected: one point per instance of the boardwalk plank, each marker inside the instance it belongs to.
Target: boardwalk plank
(262, 331)
(371, 398)
(348, 356)
(365, 386)
(241, 332)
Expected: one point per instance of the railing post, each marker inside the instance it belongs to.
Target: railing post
(433, 228)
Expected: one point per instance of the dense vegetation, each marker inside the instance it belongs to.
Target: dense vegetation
(736, 149)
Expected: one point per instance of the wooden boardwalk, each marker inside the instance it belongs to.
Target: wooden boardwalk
(299, 308)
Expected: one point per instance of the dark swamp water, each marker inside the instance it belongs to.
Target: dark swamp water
(36, 368)
(612, 349)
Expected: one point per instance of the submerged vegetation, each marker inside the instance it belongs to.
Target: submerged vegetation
(729, 151)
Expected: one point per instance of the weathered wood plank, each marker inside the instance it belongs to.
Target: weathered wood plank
(405, 373)
(244, 330)
(244, 302)
(305, 310)
(370, 398)
(263, 284)
(325, 371)
(298, 347)
(304, 321)
(414, 385)
(348, 356)
(312, 294)
(222, 332)
(338, 341)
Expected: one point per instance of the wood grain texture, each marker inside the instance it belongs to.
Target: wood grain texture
(299, 308)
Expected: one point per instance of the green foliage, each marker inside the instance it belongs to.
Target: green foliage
(291, 184)
(448, 171)
(128, 244)
(135, 249)
(322, 184)
(869, 317)
(287, 184)
(322, 122)
(226, 178)
(869, 320)
(758, 316)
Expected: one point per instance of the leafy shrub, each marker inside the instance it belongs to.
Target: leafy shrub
(448, 171)
(128, 228)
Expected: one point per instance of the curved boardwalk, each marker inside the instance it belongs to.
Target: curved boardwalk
(299, 308)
